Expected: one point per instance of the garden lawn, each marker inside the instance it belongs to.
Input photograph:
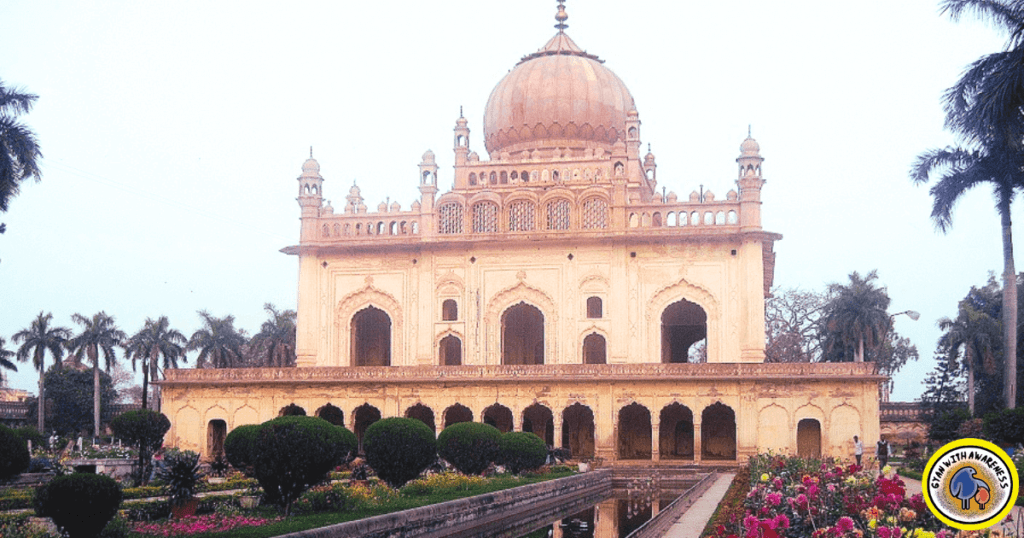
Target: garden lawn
(391, 502)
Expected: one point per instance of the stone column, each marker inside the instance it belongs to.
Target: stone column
(655, 441)
(557, 420)
(696, 441)
(556, 529)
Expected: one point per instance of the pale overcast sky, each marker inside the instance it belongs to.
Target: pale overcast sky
(173, 133)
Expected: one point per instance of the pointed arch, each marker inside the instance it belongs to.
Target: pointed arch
(519, 293)
(697, 295)
(344, 312)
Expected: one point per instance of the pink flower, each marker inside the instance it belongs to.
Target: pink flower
(845, 524)
(774, 499)
(781, 521)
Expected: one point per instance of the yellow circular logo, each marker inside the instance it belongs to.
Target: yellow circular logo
(970, 484)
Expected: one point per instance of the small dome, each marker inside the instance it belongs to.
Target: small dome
(354, 191)
(311, 168)
(750, 148)
(428, 157)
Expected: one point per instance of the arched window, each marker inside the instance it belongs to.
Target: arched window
(595, 213)
(559, 214)
(504, 177)
(472, 178)
(449, 310)
(371, 338)
(522, 216)
(450, 351)
(494, 178)
(594, 349)
(326, 232)
(522, 330)
(595, 307)
(216, 432)
(450, 218)
(485, 217)
(499, 416)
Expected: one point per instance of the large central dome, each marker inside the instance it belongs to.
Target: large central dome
(557, 97)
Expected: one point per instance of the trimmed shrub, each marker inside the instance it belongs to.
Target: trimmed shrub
(14, 456)
(238, 447)
(944, 427)
(29, 433)
(349, 445)
(294, 453)
(399, 449)
(145, 429)
(469, 446)
(1006, 426)
(521, 451)
(80, 504)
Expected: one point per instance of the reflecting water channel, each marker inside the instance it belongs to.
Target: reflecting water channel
(613, 517)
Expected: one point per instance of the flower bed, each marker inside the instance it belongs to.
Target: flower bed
(209, 523)
(793, 497)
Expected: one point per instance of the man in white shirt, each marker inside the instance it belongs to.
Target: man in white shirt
(858, 449)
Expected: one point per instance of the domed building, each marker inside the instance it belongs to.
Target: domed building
(553, 289)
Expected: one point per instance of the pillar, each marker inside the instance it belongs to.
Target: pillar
(696, 440)
(655, 439)
(557, 419)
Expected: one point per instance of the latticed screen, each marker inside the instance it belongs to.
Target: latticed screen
(558, 215)
(522, 216)
(485, 217)
(595, 213)
(450, 216)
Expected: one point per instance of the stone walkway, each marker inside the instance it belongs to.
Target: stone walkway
(692, 522)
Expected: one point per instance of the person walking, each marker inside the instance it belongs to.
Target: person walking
(882, 452)
(858, 449)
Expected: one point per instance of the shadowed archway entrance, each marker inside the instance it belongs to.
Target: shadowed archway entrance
(539, 420)
(675, 433)
(634, 442)
(371, 338)
(423, 414)
(216, 432)
(718, 432)
(457, 413)
(808, 438)
(331, 414)
(365, 415)
(682, 324)
(522, 335)
(500, 417)
(578, 431)
(450, 351)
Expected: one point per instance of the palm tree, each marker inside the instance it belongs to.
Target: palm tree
(856, 316)
(985, 108)
(18, 147)
(218, 342)
(99, 333)
(276, 339)
(5, 359)
(962, 170)
(156, 339)
(977, 333)
(35, 341)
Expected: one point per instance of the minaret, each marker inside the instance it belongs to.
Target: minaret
(311, 196)
(428, 188)
(750, 182)
(461, 140)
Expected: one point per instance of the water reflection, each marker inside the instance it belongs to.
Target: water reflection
(614, 517)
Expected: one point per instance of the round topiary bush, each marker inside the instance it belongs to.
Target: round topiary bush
(14, 456)
(521, 451)
(469, 446)
(239, 446)
(293, 453)
(349, 445)
(81, 504)
(144, 429)
(399, 449)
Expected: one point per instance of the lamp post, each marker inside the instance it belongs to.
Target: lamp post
(912, 314)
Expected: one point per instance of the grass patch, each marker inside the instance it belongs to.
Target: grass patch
(297, 523)
(731, 509)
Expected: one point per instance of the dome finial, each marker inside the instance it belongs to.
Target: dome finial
(748, 131)
(310, 152)
(561, 17)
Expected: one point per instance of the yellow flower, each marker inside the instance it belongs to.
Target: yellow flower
(872, 524)
(764, 477)
(887, 470)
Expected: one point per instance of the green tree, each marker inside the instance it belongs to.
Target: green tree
(155, 340)
(145, 429)
(99, 334)
(985, 109)
(792, 324)
(18, 146)
(275, 343)
(976, 333)
(855, 318)
(70, 392)
(218, 342)
(35, 341)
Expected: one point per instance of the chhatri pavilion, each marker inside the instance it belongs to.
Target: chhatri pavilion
(553, 289)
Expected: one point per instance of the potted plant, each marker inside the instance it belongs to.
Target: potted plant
(250, 499)
(181, 475)
(218, 470)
